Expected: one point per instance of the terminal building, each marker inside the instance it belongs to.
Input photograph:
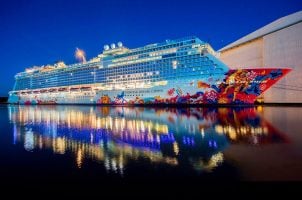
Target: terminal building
(278, 44)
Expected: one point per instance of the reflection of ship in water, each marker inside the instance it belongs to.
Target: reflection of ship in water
(115, 135)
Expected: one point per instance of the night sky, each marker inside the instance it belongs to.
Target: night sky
(38, 32)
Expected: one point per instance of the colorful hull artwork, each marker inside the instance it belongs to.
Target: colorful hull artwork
(241, 86)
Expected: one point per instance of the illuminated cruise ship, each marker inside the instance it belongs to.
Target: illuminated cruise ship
(181, 71)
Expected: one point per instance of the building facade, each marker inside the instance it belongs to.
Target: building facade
(278, 44)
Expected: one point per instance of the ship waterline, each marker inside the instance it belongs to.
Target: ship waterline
(182, 71)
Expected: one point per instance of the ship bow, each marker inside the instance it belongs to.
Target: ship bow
(245, 85)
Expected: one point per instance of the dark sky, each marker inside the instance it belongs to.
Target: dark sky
(37, 32)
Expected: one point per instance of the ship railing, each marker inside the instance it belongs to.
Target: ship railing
(167, 42)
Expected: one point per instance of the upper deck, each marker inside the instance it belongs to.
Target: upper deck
(119, 56)
(120, 67)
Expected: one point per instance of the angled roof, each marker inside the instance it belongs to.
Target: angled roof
(276, 25)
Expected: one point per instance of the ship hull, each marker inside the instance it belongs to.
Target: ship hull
(241, 86)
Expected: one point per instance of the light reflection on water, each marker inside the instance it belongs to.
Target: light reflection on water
(113, 136)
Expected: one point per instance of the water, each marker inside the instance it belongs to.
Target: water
(84, 144)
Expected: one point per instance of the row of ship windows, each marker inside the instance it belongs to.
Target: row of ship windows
(158, 48)
(179, 51)
(143, 75)
(182, 59)
(27, 86)
(112, 80)
(139, 92)
(164, 56)
(62, 71)
(134, 95)
(92, 77)
(188, 59)
(146, 73)
(83, 80)
(64, 84)
(143, 91)
(156, 66)
(97, 74)
(117, 81)
(38, 83)
(81, 97)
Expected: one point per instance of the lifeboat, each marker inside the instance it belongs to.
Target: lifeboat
(85, 88)
(74, 89)
(52, 90)
(62, 89)
(46, 102)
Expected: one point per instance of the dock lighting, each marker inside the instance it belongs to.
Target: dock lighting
(80, 55)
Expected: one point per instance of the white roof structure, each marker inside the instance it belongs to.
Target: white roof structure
(272, 27)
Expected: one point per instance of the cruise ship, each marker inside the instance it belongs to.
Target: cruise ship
(180, 71)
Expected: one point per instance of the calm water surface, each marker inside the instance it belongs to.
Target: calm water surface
(120, 144)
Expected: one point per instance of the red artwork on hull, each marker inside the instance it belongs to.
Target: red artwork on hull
(240, 86)
(245, 85)
(27, 103)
